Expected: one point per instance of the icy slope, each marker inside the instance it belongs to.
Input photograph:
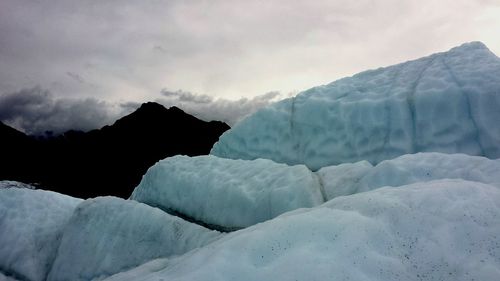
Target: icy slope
(107, 235)
(447, 102)
(347, 179)
(31, 226)
(227, 194)
(440, 230)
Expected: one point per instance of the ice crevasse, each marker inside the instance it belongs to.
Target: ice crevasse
(448, 102)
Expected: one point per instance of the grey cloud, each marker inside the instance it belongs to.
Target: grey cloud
(76, 77)
(130, 106)
(36, 110)
(223, 47)
(226, 110)
(188, 97)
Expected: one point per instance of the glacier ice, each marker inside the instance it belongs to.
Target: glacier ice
(31, 226)
(447, 102)
(108, 235)
(227, 194)
(7, 278)
(351, 178)
(439, 230)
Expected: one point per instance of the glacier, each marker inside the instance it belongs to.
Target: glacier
(438, 230)
(448, 102)
(108, 235)
(227, 194)
(31, 227)
(352, 178)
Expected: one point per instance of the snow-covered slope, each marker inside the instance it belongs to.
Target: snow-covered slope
(227, 194)
(347, 179)
(107, 235)
(440, 230)
(447, 102)
(31, 226)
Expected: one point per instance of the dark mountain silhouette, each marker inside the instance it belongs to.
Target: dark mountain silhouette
(107, 161)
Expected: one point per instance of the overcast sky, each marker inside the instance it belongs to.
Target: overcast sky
(112, 53)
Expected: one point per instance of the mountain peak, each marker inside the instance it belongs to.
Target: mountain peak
(156, 108)
(151, 106)
(474, 45)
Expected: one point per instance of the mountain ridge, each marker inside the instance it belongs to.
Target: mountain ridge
(106, 161)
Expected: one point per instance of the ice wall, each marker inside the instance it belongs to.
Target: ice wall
(227, 194)
(447, 102)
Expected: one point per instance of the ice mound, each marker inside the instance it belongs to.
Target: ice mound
(107, 235)
(440, 230)
(31, 226)
(227, 194)
(447, 102)
(347, 179)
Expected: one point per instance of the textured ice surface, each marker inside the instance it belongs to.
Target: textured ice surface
(342, 179)
(7, 278)
(31, 226)
(358, 177)
(440, 230)
(107, 235)
(226, 193)
(447, 102)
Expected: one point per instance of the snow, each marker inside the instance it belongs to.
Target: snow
(108, 235)
(31, 226)
(227, 194)
(439, 230)
(447, 102)
(347, 179)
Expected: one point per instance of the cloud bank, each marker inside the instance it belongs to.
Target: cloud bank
(208, 108)
(36, 111)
